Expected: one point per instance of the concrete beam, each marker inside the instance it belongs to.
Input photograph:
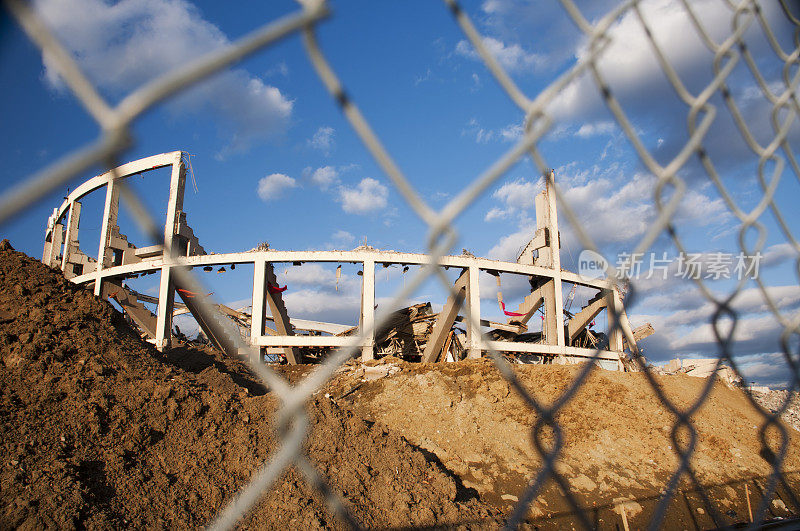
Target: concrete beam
(352, 257)
(537, 242)
(446, 319)
(281, 317)
(550, 350)
(140, 315)
(581, 319)
(308, 341)
(529, 305)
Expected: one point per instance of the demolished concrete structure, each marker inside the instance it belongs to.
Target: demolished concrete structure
(702, 368)
(413, 332)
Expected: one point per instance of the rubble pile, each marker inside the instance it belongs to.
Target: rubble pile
(774, 400)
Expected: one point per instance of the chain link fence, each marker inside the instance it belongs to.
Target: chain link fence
(116, 136)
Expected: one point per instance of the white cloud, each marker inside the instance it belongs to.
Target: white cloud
(596, 129)
(512, 56)
(634, 75)
(614, 210)
(778, 254)
(341, 239)
(519, 193)
(509, 247)
(510, 133)
(280, 69)
(771, 369)
(121, 46)
(369, 195)
(323, 140)
(323, 305)
(498, 213)
(623, 211)
(476, 81)
(325, 177)
(272, 186)
(343, 236)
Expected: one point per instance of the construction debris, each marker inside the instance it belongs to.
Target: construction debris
(702, 368)
(773, 400)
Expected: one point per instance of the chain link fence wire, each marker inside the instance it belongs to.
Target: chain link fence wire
(669, 190)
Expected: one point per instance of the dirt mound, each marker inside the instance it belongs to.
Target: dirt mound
(617, 442)
(97, 429)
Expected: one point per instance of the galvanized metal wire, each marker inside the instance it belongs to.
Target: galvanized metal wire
(117, 136)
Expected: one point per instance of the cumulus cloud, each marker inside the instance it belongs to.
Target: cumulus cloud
(519, 193)
(368, 196)
(123, 45)
(622, 212)
(767, 369)
(512, 56)
(273, 186)
(322, 278)
(497, 213)
(629, 63)
(323, 140)
(632, 71)
(508, 247)
(325, 177)
(618, 211)
(323, 305)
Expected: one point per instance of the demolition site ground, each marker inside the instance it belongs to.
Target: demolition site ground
(98, 429)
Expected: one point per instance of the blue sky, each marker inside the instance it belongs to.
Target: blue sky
(274, 159)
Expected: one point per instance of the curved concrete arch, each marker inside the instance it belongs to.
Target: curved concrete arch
(126, 170)
(544, 270)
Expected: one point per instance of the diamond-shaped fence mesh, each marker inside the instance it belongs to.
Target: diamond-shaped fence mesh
(776, 161)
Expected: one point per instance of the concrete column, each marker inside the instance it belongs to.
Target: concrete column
(73, 222)
(109, 220)
(367, 321)
(166, 300)
(53, 247)
(166, 291)
(259, 303)
(550, 257)
(555, 253)
(474, 339)
(615, 336)
(175, 203)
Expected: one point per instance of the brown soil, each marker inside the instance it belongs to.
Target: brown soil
(97, 429)
(617, 443)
